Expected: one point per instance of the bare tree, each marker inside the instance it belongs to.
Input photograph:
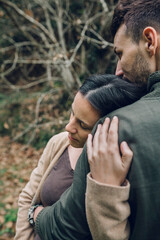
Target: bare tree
(53, 40)
(53, 37)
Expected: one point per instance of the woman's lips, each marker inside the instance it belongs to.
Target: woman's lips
(71, 138)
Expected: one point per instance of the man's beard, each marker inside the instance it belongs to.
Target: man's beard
(140, 71)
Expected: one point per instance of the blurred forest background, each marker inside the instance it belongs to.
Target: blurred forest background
(47, 49)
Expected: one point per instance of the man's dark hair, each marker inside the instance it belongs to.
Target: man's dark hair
(136, 15)
(107, 93)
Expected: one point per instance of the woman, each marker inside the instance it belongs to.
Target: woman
(99, 95)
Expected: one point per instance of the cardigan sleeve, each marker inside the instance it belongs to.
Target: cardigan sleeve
(107, 210)
(23, 229)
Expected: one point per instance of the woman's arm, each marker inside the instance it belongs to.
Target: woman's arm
(23, 229)
(107, 185)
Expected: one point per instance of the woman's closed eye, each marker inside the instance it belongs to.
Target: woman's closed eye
(84, 126)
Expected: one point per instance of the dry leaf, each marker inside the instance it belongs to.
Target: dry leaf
(9, 224)
(6, 126)
(2, 219)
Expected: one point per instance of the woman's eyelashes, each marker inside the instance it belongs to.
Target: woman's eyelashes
(84, 126)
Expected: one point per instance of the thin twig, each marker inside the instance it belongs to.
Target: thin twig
(28, 18)
(104, 5)
(89, 21)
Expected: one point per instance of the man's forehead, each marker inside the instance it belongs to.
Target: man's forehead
(120, 37)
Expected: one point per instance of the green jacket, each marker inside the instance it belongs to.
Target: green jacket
(140, 127)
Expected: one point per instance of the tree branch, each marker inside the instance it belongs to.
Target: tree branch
(28, 18)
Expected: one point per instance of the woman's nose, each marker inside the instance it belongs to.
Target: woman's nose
(71, 126)
(119, 71)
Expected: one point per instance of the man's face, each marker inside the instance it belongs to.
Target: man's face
(133, 62)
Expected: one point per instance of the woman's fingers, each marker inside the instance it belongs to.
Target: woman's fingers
(113, 146)
(89, 147)
(113, 131)
(104, 132)
(106, 163)
(127, 156)
(96, 140)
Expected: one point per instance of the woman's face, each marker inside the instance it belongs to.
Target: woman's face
(83, 118)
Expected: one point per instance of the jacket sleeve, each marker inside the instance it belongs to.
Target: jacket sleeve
(107, 210)
(23, 229)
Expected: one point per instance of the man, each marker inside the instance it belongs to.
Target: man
(136, 30)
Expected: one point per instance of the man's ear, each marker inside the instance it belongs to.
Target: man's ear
(150, 37)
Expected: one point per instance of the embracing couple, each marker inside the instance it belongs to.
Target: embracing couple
(93, 200)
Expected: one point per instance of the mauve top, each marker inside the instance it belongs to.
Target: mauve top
(59, 179)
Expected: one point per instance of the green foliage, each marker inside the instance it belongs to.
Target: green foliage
(3, 171)
(6, 230)
(1, 183)
(21, 180)
(10, 113)
(18, 109)
(41, 139)
(11, 215)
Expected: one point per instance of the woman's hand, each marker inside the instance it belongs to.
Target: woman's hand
(107, 165)
(37, 211)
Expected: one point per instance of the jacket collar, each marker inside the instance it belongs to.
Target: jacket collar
(153, 79)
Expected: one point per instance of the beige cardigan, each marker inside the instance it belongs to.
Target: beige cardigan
(30, 195)
(107, 210)
(104, 225)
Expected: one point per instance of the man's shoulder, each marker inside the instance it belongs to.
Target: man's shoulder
(134, 119)
(143, 109)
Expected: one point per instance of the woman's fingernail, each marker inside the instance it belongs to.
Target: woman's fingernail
(115, 118)
(124, 144)
(107, 119)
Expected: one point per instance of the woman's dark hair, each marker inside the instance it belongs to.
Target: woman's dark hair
(108, 92)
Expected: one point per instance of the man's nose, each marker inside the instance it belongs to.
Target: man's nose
(119, 71)
(71, 126)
